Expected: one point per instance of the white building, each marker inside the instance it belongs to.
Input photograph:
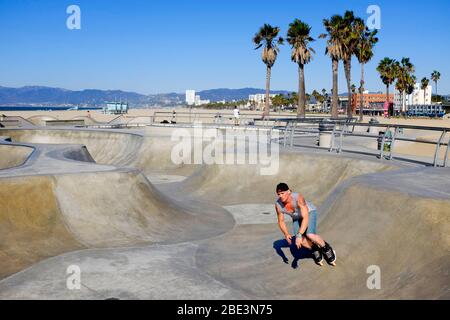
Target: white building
(418, 97)
(259, 99)
(190, 97)
(197, 100)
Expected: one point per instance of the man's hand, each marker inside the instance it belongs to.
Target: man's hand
(288, 238)
(298, 242)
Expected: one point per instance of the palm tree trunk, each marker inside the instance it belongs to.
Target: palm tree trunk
(301, 91)
(347, 69)
(267, 102)
(387, 100)
(334, 102)
(361, 94)
(404, 102)
(387, 93)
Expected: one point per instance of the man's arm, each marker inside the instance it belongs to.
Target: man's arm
(304, 211)
(281, 223)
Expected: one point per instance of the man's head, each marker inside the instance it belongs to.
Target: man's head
(283, 191)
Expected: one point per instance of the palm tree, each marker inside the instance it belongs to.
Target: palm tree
(435, 76)
(387, 68)
(299, 38)
(293, 100)
(350, 35)
(424, 85)
(334, 28)
(405, 80)
(267, 37)
(364, 52)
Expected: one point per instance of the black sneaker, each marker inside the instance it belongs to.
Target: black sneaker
(329, 254)
(317, 255)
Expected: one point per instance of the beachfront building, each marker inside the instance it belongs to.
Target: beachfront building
(116, 108)
(418, 97)
(190, 97)
(258, 100)
(373, 103)
(199, 101)
(342, 104)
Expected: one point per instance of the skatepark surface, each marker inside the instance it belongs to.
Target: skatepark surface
(139, 226)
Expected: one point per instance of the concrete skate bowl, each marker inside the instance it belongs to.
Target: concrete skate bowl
(315, 175)
(368, 209)
(87, 120)
(13, 156)
(120, 148)
(62, 212)
(39, 120)
(105, 148)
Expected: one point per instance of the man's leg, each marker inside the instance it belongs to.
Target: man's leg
(316, 239)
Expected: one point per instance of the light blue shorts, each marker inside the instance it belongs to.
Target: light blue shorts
(312, 223)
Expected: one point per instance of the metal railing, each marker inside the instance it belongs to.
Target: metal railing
(215, 117)
(346, 128)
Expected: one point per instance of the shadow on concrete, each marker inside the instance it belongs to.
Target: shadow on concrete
(297, 254)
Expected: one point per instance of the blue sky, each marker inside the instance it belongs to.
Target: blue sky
(155, 46)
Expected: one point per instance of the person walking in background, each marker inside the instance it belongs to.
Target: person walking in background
(174, 117)
(236, 115)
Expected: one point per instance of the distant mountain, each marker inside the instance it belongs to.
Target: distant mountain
(39, 95)
(48, 96)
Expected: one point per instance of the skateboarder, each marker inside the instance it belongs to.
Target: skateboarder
(304, 218)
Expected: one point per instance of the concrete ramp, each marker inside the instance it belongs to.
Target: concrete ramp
(31, 225)
(105, 147)
(13, 156)
(315, 175)
(131, 211)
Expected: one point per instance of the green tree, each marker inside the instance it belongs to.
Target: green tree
(424, 85)
(388, 70)
(293, 99)
(335, 35)
(405, 80)
(435, 76)
(366, 41)
(350, 37)
(267, 37)
(278, 101)
(298, 36)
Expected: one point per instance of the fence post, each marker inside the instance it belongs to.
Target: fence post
(446, 153)
(392, 142)
(285, 133)
(332, 138)
(382, 143)
(292, 135)
(438, 145)
(341, 138)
